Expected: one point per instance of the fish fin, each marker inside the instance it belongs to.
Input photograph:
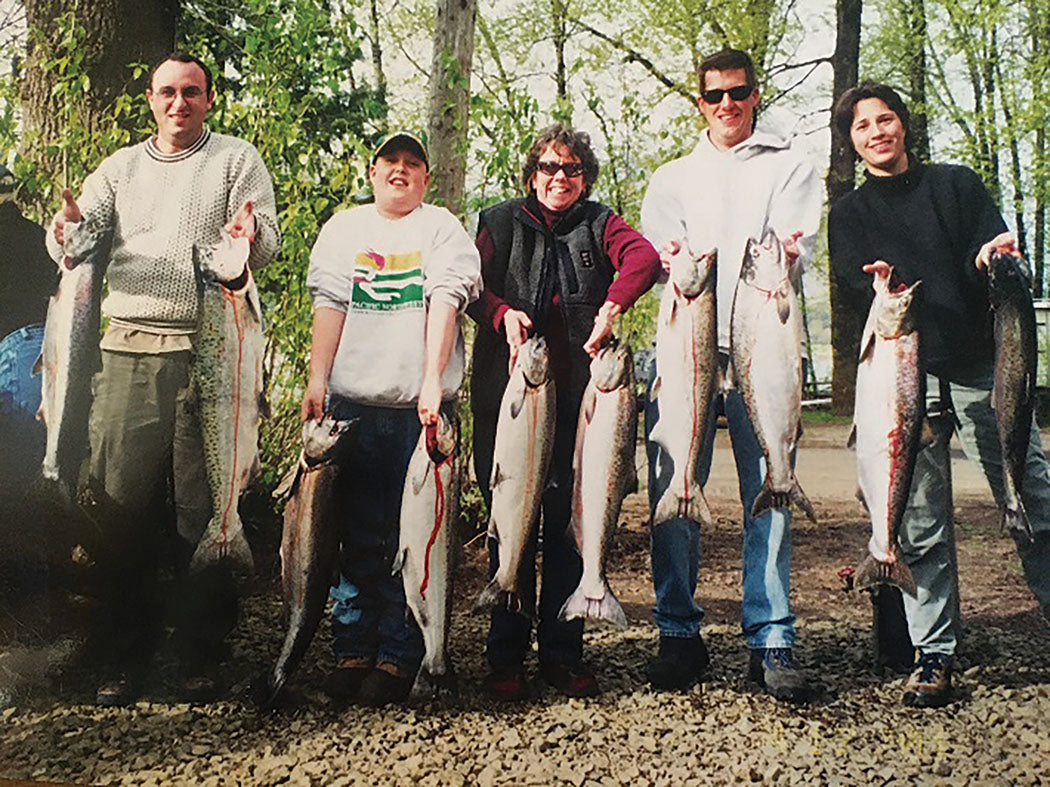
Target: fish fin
(655, 390)
(38, 365)
(926, 436)
(590, 401)
(859, 494)
(420, 478)
(798, 497)
(872, 572)
(727, 379)
(290, 482)
(672, 313)
(783, 305)
(399, 561)
(497, 477)
(867, 345)
(494, 596)
(765, 500)
(1016, 521)
(519, 400)
(213, 547)
(851, 441)
(579, 605)
(492, 532)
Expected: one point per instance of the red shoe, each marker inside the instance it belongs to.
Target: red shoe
(574, 680)
(507, 684)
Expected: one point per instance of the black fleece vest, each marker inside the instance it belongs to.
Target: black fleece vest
(531, 263)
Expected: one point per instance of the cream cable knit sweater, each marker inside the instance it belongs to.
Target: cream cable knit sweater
(158, 206)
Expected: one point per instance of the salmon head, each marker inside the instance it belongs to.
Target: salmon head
(690, 272)
(321, 438)
(612, 367)
(534, 361)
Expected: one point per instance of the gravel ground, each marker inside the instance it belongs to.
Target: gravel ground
(724, 730)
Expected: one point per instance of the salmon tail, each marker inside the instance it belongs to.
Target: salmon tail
(495, 597)
(872, 572)
(1016, 520)
(429, 684)
(579, 605)
(798, 497)
(768, 499)
(673, 506)
(214, 547)
(266, 690)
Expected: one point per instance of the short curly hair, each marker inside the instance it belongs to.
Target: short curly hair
(579, 145)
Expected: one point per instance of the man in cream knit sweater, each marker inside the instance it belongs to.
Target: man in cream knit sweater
(158, 199)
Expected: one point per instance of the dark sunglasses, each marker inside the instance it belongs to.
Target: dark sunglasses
(571, 169)
(738, 93)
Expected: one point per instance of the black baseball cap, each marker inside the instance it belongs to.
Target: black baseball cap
(402, 140)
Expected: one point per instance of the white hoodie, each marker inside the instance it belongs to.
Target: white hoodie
(717, 199)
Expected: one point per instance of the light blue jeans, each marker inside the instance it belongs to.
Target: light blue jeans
(927, 533)
(766, 616)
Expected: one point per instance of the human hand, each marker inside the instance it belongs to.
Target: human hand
(603, 323)
(429, 404)
(516, 325)
(70, 212)
(880, 268)
(667, 251)
(984, 256)
(242, 225)
(791, 247)
(313, 400)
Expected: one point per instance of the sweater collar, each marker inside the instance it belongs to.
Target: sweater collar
(158, 155)
(904, 181)
(539, 218)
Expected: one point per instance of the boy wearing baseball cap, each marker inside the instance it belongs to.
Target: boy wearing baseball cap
(389, 281)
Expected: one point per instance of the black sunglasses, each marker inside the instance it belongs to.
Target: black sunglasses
(571, 169)
(738, 93)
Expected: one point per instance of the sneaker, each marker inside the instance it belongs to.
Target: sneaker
(385, 684)
(774, 669)
(930, 683)
(507, 684)
(344, 682)
(575, 680)
(679, 663)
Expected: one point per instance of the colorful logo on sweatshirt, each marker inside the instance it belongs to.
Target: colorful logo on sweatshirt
(390, 282)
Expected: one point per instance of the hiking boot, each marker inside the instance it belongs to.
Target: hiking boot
(507, 684)
(774, 669)
(575, 680)
(679, 662)
(930, 683)
(385, 684)
(344, 682)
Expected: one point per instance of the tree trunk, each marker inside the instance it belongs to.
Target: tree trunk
(116, 34)
(845, 324)
(558, 17)
(1039, 29)
(449, 106)
(377, 52)
(1012, 142)
(915, 13)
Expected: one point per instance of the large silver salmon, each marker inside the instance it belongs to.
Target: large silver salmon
(520, 460)
(1013, 393)
(70, 355)
(426, 551)
(309, 545)
(686, 380)
(887, 422)
(227, 380)
(766, 349)
(603, 472)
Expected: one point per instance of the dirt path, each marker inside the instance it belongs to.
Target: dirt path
(723, 731)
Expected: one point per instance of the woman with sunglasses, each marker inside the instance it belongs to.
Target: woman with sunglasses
(557, 264)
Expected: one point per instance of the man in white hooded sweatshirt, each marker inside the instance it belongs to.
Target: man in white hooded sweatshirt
(737, 183)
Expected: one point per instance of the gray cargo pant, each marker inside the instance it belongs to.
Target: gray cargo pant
(147, 448)
(927, 533)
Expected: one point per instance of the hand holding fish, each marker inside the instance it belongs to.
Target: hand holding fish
(667, 252)
(70, 212)
(242, 225)
(984, 256)
(429, 404)
(791, 247)
(603, 323)
(516, 325)
(313, 399)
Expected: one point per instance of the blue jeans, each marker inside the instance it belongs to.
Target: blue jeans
(927, 532)
(369, 616)
(766, 616)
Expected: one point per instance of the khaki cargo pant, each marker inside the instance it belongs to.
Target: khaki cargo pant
(147, 449)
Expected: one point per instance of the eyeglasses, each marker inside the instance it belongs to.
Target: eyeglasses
(572, 169)
(738, 93)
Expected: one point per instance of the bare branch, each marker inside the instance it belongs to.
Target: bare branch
(774, 70)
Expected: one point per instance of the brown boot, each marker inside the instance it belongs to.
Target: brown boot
(930, 683)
